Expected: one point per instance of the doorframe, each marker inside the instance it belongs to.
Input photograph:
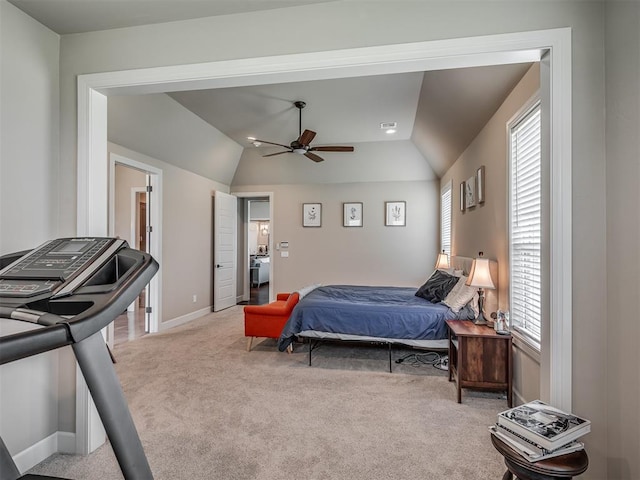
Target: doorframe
(518, 47)
(155, 246)
(245, 233)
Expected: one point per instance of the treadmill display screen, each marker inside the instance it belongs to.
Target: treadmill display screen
(71, 247)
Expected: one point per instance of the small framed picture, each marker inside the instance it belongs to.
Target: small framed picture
(352, 214)
(480, 184)
(395, 214)
(470, 192)
(462, 195)
(311, 214)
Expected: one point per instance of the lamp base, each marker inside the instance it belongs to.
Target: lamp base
(480, 320)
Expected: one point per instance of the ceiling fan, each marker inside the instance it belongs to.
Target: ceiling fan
(302, 145)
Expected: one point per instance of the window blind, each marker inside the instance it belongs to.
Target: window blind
(445, 218)
(525, 225)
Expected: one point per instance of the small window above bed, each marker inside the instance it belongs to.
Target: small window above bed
(445, 218)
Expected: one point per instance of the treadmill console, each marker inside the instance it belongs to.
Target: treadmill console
(57, 267)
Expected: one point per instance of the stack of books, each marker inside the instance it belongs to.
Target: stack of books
(538, 431)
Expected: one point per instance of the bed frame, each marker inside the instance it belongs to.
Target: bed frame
(316, 338)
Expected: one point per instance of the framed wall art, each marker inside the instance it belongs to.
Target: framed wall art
(311, 214)
(395, 214)
(480, 184)
(352, 214)
(470, 192)
(462, 195)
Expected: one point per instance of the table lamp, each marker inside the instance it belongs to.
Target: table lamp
(443, 261)
(480, 277)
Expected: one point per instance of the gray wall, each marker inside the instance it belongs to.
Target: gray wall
(186, 237)
(126, 180)
(371, 255)
(623, 238)
(178, 136)
(485, 227)
(380, 23)
(29, 136)
(29, 150)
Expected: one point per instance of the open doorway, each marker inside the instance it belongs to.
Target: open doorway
(255, 233)
(134, 210)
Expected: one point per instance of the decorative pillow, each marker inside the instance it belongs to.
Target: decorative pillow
(308, 289)
(437, 287)
(458, 273)
(460, 295)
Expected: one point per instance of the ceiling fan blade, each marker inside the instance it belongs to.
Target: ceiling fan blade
(272, 143)
(332, 149)
(306, 137)
(314, 157)
(274, 154)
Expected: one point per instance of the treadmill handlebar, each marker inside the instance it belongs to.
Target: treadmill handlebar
(104, 305)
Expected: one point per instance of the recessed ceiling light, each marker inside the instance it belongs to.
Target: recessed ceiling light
(389, 127)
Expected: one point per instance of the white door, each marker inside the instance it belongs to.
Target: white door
(224, 250)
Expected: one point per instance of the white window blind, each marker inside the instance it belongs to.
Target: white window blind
(445, 218)
(525, 225)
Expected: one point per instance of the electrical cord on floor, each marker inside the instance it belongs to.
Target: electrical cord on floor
(434, 359)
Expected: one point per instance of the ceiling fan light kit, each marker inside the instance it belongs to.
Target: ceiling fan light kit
(301, 145)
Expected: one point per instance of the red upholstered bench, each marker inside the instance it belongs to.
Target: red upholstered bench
(268, 320)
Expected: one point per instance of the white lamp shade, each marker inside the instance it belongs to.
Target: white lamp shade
(480, 275)
(442, 261)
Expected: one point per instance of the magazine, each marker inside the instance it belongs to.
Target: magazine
(532, 452)
(545, 425)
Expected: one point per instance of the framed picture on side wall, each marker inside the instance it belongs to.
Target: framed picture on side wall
(470, 192)
(462, 195)
(311, 214)
(480, 184)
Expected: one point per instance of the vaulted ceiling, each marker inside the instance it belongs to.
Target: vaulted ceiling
(439, 111)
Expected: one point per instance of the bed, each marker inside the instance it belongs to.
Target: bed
(372, 314)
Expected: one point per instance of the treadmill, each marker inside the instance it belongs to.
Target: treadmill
(72, 288)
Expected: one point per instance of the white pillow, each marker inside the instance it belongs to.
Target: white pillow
(308, 289)
(460, 295)
(457, 273)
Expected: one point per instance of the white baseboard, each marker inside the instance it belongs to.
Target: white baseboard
(62, 442)
(174, 322)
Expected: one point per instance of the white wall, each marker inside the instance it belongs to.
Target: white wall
(29, 109)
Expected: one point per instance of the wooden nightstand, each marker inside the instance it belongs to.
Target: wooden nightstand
(479, 358)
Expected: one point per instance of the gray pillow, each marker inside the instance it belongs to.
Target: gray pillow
(437, 287)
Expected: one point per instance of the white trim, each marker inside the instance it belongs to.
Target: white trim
(175, 322)
(561, 309)
(155, 248)
(62, 442)
(440, 54)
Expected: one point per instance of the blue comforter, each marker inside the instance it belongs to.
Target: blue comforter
(386, 312)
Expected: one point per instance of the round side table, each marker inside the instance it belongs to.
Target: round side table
(565, 466)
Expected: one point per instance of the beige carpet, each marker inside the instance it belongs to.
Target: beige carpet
(206, 408)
